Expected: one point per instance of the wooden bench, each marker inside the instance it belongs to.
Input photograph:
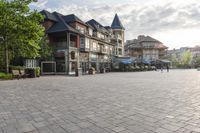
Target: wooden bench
(16, 74)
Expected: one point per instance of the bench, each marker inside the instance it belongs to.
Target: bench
(16, 74)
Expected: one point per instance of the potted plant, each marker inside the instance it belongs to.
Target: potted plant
(92, 70)
(37, 69)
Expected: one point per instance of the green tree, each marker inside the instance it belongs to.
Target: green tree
(197, 62)
(174, 61)
(186, 59)
(20, 27)
(45, 49)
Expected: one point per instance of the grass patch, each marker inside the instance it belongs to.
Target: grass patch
(5, 76)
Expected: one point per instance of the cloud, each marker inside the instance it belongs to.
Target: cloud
(138, 16)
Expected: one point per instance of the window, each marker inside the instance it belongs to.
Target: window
(90, 32)
(93, 57)
(98, 47)
(87, 43)
(105, 57)
(111, 49)
(106, 48)
(82, 42)
(94, 46)
(81, 29)
(98, 35)
(72, 55)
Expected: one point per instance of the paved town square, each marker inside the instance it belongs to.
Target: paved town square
(135, 102)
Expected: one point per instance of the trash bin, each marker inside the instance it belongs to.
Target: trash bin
(78, 72)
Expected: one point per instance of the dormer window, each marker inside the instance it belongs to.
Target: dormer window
(90, 32)
(81, 29)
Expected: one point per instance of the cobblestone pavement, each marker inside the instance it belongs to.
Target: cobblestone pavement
(140, 102)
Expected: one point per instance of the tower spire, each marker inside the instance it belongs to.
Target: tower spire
(116, 24)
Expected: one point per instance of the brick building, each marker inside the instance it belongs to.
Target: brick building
(145, 48)
(79, 44)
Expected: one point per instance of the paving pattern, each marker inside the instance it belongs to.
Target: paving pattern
(140, 102)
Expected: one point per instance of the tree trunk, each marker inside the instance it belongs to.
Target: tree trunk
(6, 56)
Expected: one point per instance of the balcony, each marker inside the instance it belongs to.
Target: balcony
(119, 45)
(84, 49)
(73, 44)
(117, 37)
(59, 45)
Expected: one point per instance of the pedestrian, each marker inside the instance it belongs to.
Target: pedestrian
(161, 67)
(167, 68)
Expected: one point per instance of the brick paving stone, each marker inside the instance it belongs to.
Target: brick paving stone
(163, 130)
(135, 102)
(118, 129)
(26, 127)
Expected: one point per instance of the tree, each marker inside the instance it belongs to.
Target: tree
(197, 62)
(20, 27)
(174, 61)
(186, 59)
(45, 49)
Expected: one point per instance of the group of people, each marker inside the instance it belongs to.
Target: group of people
(167, 67)
(162, 68)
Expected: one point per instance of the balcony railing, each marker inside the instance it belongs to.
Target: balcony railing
(73, 44)
(117, 37)
(119, 44)
(59, 45)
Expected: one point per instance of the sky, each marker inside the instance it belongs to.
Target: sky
(176, 23)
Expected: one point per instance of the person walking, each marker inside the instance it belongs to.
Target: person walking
(167, 68)
(161, 67)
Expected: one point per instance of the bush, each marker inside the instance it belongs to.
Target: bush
(5, 76)
(37, 69)
(16, 67)
(92, 70)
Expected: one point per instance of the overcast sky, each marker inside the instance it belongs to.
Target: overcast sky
(176, 23)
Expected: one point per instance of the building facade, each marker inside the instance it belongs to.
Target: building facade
(177, 54)
(145, 48)
(78, 44)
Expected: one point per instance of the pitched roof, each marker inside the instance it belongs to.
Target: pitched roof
(148, 39)
(48, 15)
(97, 26)
(94, 24)
(137, 43)
(116, 24)
(60, 25)
(72, 18)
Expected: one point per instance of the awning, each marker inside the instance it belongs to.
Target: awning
(164, 61)
(127, 61)
(148, 62)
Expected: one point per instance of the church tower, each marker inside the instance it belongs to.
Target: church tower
(118, 40)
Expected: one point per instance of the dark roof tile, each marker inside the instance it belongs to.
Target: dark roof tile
(48, 15)
(72, 18)
(116, 24)
(60, 25)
